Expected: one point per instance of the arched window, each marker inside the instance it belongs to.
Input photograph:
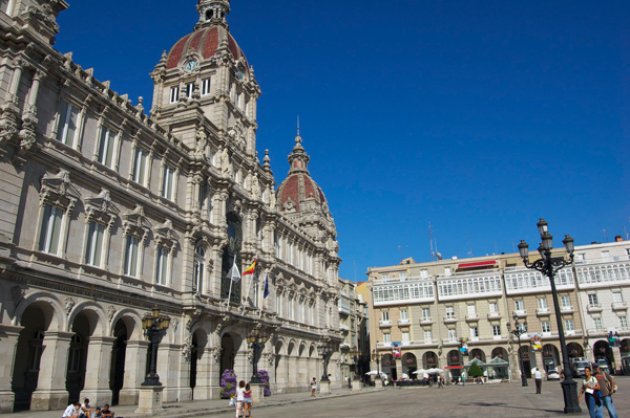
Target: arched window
(198, 268)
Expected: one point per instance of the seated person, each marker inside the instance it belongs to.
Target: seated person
(97, 413)
(72, 411)
(106, 412)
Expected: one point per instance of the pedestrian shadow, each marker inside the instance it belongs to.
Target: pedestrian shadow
(505, 405)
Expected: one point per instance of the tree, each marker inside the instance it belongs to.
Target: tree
(474, 370)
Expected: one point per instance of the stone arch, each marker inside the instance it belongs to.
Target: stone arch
(312, 351)
(575, 350)
(301, 349)
(291, 348)
(132, 320)
(409, 364)
(527, 361)
(96, 315)
(603, 351)
(430, 360)
(51, 307)
(551, 357)
(477, 353)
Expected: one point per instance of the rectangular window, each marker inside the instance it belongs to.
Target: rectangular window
(405, 338)
(424, 274)
(545, 326)
(161, 266)
(140, 167)
(472, 311)
(597, 322)
(569, 325)
(592, 299)
(452, 335)
(542, 303)
(493, 307)
(519, 305)
(174, 94)
(132, 254)
(205, 87)
(67, 129)
(450, 312)
(428, 337)
(106, 147)
(387, 338)
(403, 315)
(190, 88)
(426, 314)
(168, 182)
(474, 332)
(565, 300)
(623, 321)
(617, 296)
(496, 330)
(94, 247)
(522, 327)
(50, 236)
(385, 315)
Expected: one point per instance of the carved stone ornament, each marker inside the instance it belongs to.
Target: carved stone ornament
(111, 311)
(68, 304)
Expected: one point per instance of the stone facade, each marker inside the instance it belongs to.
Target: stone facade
(434, 308)
(352, 323)
(107, 213)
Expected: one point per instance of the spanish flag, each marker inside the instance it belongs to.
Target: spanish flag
(250, 269)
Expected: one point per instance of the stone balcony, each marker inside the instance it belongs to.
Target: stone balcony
(594, 307)
(450, 319)
(566, 309)
(543, 312)
(619, 306)
(404, 322)
(472, 318)
(426, 321)
(494, 315)
(384, 323)
(520, 313)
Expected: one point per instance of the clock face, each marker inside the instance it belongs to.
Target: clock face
(190, 65)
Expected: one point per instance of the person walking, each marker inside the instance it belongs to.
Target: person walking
(538, 380)
(313, 387)
(590, 388)
(240, 400)
(607, 387)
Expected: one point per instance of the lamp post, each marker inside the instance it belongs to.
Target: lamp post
(378, 362)
(155, 326)
(326, 352)
(257, 339)
(548, 266)
(519, 329)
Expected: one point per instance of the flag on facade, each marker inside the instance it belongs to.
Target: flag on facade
(235, 275)
(266, 286)
(250, 269)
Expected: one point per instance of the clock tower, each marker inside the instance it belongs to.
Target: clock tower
(206, 76)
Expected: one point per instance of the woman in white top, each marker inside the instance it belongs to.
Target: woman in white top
(240, 398)
(590, 388)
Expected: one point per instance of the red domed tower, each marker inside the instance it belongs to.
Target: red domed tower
(207, 72)
(302, 201)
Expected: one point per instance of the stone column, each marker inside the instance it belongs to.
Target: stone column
(242, 365)
(99, 357)
(168, 370)
(51, 393)
(135, 368)
(616, 366)
(8, 344)
(515, 365)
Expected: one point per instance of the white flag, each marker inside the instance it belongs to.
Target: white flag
(235, 275)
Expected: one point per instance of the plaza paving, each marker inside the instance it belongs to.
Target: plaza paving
(490, 400)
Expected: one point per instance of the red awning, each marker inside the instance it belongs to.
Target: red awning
(453, 367)
(477, 264)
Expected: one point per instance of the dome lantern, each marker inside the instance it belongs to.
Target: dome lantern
(213, 12)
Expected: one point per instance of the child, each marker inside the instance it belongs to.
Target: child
(247, 405)
(240, 399)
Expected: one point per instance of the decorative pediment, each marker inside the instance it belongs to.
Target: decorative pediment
(135, 223)
(58, 190)
(101, 209)
(165, 235)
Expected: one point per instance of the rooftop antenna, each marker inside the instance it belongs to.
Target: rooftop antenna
(433, 245)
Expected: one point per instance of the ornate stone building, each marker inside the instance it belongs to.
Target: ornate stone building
(107, 213)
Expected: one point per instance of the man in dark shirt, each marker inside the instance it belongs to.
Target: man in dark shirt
(106, 412)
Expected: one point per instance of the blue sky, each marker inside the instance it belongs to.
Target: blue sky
(478, 117)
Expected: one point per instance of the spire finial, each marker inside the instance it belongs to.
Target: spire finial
(298, 125)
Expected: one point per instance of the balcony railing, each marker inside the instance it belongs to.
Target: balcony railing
(385, 323)
(450, 319)
(566, 309)
(542, 311)
(594, 307)
(472, 318)
(596, 331)
(426, 321)
(494, 315)
(619, 306)
(403, 322)
(520, 313)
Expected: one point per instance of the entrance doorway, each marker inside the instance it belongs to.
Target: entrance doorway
(117, 368)
(227, 353)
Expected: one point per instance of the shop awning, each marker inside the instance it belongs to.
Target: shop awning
(454, 367)
(477, 264)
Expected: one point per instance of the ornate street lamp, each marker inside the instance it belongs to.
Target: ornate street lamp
(257, 338)
(326, 351)
(155, 326)
(548, 266)
(519, 329)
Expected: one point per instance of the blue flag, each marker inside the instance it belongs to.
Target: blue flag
(266, 288)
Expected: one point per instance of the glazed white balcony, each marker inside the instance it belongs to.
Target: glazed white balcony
(402, 292)
(519, 280)
(470, 285)
(603, 274)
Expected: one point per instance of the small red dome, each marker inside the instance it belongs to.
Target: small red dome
(203, 43)
(297, 191)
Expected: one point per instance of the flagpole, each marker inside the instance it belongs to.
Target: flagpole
(231, 282)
